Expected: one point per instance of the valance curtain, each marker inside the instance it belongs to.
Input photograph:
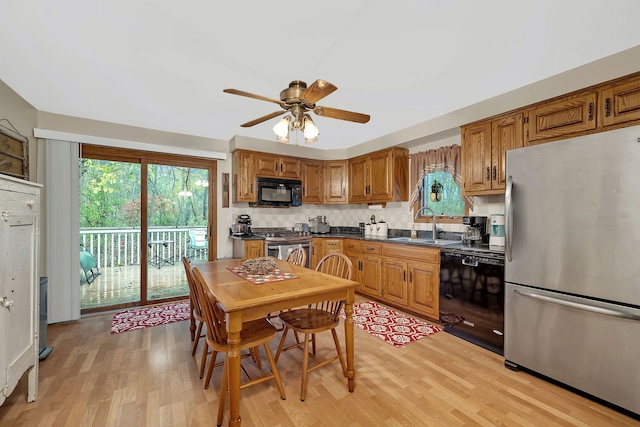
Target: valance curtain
(443, 159)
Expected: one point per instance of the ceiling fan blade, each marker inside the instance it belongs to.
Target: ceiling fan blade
(252, 95)
(334, 113)
(318, 90)
(263, 118)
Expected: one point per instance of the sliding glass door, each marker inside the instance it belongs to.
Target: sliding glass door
(140, 213)
(177, 219)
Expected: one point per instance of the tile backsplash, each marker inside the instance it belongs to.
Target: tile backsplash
(397, 214)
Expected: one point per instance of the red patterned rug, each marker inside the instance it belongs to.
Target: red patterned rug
(139, 318)
(394, 328)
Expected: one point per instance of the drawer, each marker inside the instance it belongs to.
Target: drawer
(352, 246)
(332, 244)
(20, 203)
(412, 252)
(371, 248)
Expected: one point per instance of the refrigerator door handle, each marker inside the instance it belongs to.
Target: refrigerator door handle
(620, 312)
(508, 218)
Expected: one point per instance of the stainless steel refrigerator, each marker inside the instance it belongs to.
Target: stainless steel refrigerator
(572, 268)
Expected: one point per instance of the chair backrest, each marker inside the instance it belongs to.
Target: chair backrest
(196, 305)
(338, 265)
(213, 314)
(297, 256)
(197, 238)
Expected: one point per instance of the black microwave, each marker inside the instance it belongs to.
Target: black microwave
(277, 192)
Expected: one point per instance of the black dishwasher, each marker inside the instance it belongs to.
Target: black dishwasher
(472, 296)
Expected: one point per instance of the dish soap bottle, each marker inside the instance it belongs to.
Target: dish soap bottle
(414, 233)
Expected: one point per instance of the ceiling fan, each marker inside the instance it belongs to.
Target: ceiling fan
(298, 99)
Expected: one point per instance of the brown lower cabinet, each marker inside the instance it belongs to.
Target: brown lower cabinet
(404, 276)
(254, 249)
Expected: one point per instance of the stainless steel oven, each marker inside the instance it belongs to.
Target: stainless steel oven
(472, 296)
(280, 241)
(281, 250)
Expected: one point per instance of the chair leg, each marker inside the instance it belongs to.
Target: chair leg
(305, 366)
(274, 370)
(255, 355)
(203, 358)
(222, 397)
(196, 339)
(313, 343)
(339, 350)
(281, 345)
(212, 364)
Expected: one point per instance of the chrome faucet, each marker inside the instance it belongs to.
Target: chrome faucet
(434, 229)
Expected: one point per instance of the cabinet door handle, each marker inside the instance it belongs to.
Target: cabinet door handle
(607, 107)
(495, 173)
(590, 111)
(280, 167)
(487, 174)
(404, 275)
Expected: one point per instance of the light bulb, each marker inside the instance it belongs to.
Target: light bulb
(311, 132)
(281, 129)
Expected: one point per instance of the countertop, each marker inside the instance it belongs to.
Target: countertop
(358, 236)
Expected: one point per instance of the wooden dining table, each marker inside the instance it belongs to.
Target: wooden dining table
(243, 301)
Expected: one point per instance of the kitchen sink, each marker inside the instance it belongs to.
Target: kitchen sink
(417, 240)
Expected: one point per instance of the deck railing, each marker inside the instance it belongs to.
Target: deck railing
(113, 247)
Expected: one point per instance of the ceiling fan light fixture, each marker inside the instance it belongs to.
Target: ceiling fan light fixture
(281, 129)
(310, 130)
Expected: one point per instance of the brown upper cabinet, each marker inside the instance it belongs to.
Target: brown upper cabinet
(382, 176)
(244, 178)
(599, 108)
(336, 182)
(561, 117)
(277, 166)
(312, 181)
(484, 145)
(620, 102)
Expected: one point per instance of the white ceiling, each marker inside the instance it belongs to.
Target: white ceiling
(162, 64)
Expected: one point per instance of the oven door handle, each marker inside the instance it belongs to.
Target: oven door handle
(276, 246)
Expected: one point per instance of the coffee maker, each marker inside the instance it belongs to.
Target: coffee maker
(476, 233)
(242, 227)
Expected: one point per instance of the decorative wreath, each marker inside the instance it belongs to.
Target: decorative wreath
(261, 265)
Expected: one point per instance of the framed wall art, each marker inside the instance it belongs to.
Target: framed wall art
(14, 151)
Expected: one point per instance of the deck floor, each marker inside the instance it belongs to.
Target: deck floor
(120, 285)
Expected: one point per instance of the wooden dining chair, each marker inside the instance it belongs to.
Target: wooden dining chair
(316, 318)
(297, 256)
(196, 308)
(253, 334)
(198, 313)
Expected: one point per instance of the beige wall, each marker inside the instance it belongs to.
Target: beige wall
(24, 117)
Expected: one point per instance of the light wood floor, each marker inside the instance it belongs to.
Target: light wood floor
(149, 378)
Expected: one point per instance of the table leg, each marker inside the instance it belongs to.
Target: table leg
(348, 333)
(234, 325)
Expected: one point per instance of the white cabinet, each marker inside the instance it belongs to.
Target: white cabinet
(19, 235)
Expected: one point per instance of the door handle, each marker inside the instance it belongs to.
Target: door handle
(508, 218)
(619, 312)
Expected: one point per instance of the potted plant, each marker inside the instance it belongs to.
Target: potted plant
(436, 191)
